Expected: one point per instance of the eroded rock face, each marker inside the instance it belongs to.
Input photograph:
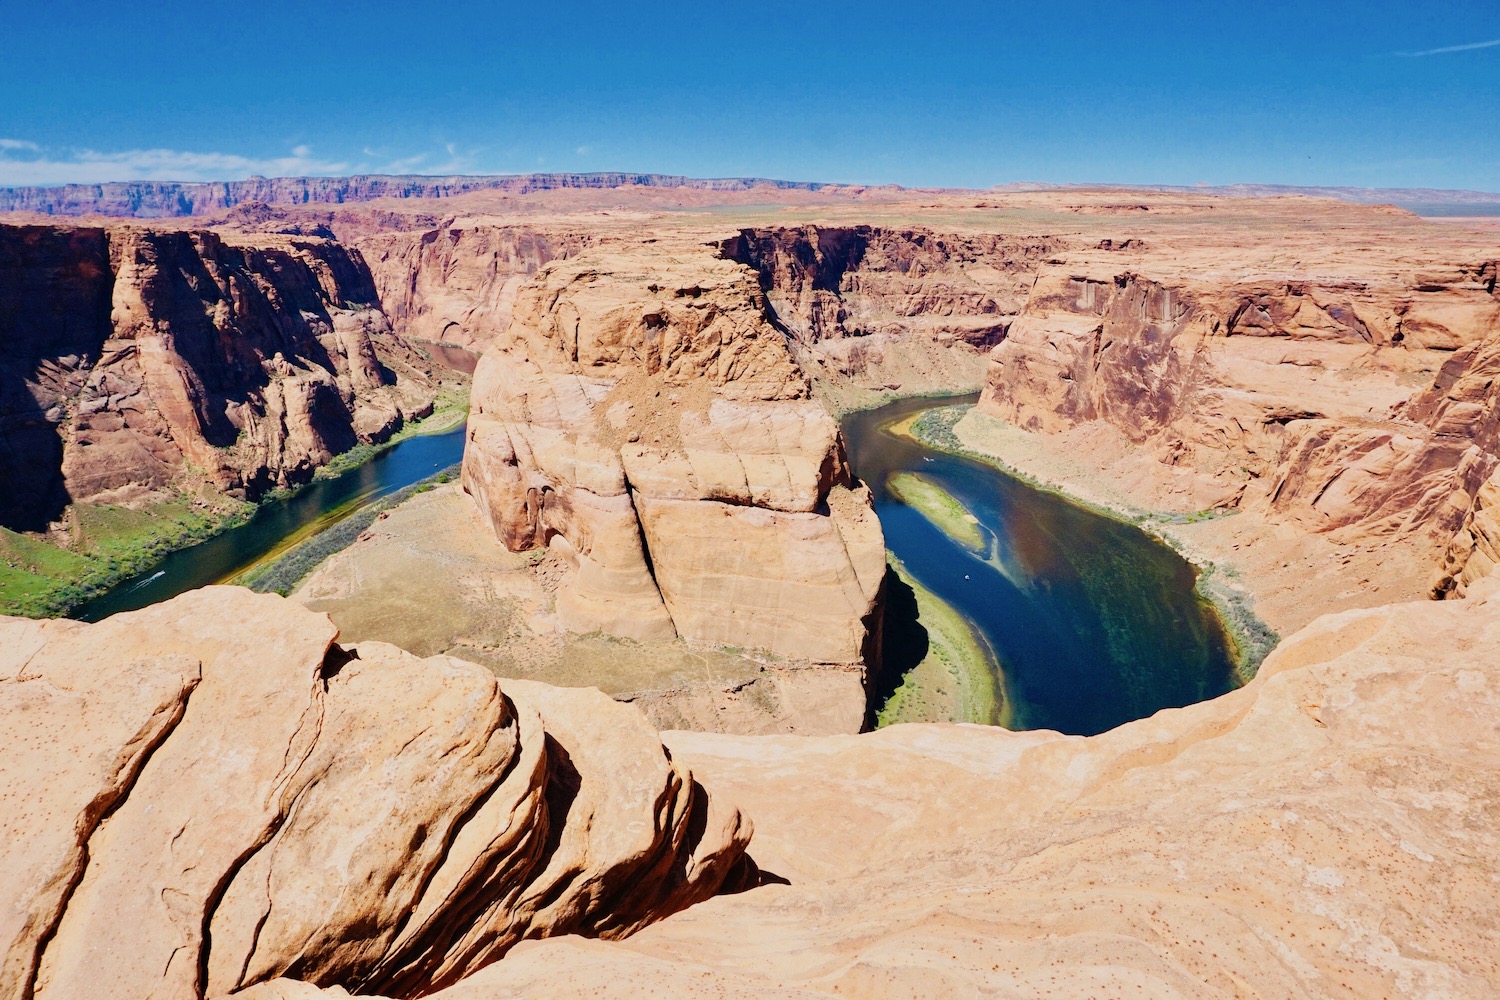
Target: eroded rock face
(643, 418)
(211, 793)
(909, 308)
(458, 285)
(1356, 408)
(129, 355)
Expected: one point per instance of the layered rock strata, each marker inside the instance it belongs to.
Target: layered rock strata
(643, 419)
(1324, 831)
(458, 285)
(129, 357)
(212, 793)
(906, 309)
(1360, 409)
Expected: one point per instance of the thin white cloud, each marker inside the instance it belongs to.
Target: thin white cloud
(24, 163)
(1469, 47)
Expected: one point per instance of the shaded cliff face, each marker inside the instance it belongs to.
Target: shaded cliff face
(211, 793)
(130, 356)
(458, 285)
(1354, 408)
(56, 288)
(908, 307)
(644, 420)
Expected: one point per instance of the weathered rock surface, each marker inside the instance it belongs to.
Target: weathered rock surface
(129, 356)
(211, 793)
(891, 307)
(1324, 831)
(1363, 409)
(643, 418)
(458, 285)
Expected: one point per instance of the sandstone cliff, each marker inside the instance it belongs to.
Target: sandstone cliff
(211, 793)
(128, 357)
(643, 419)
(1325, 831)
(1361, 409)
(891, 308)
(458, 285)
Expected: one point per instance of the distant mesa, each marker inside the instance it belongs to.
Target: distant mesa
(171, 199)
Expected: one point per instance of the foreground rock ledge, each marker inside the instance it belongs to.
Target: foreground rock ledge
(211, 793)
(1326, 831)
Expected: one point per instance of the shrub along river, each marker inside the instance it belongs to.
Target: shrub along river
(1094, 623)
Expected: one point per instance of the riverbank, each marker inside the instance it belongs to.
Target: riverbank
(962, 430)
(285, 567)
(98, 548)
(937, 667)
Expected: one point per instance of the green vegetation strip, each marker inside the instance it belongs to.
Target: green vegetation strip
(959, 677)
(285, 568)
(1253, 639)
(109, 543)
(940, 507)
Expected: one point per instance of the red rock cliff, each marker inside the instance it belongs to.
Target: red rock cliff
(127, 356)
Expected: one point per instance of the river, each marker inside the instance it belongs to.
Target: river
(1094, 622)
(279, 524)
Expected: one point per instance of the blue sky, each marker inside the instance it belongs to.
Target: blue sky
(952, 94)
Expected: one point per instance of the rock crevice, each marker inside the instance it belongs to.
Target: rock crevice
(389, 827)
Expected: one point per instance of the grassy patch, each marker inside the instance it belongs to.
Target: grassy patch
(938, 668)
(940, 507)
(106, 544)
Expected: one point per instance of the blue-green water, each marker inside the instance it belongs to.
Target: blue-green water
(319, 504)
(1095, 623)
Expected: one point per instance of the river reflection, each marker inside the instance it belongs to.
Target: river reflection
(1094, 622)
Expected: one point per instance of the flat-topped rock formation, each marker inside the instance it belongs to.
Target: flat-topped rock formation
(165, 199)
(643, 419)
(212, 793)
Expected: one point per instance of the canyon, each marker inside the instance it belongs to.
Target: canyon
(1298, 394)
(133, 357)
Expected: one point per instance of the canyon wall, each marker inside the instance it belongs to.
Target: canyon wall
(130, 357)
(886, 308)
(643, 420)
(1359, 409)
(457, 285)
(211, 793)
